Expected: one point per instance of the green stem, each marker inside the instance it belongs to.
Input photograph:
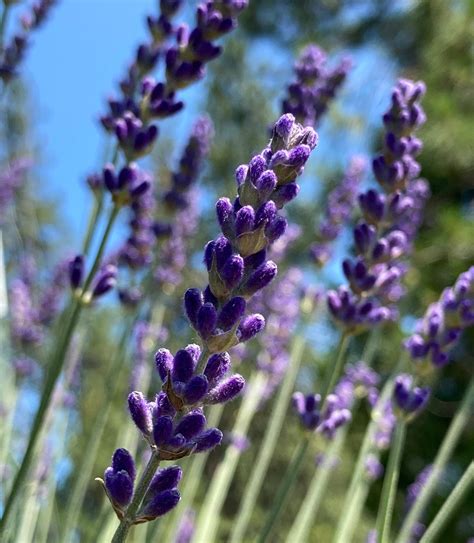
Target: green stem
(348, 522)
(194, 470)
(72, 315)
(306, 516)
(390, 483)
(84, 469)
(334, 375)
(52, 377)
(288, 480)
(448, 445)
(449, 506)
(216, 494)
(127, 522)
(100, 251)
(265, 454)
(92, 223)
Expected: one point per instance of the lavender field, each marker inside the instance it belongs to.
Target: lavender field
(236, 271)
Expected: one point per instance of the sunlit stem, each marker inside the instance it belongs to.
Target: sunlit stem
(270, 439)
(71, 316)
(445, 452)
(208, 521)
(454, 500)
(390, 484)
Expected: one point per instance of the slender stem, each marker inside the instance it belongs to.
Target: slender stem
(270, 439)
(448, 445)
(100, 251)
(92, 223)
(334, 375)
(52, 377)
(282, 494)
(84, 469)
(216, 494)
(126, 523)
(72, 314)
(457, 495)
(306, 516)
(348, 522)
(390, 483)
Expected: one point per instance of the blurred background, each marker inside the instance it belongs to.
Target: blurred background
(50, 115)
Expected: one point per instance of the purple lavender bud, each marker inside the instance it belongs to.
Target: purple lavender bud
(183, 366)
(241, 174)
(266, 183)
(261, 277)
(225, 216)
(232, 271)
(109, 177)
(208, 440)
(162, 430)
(119, 486)
(76, 271)
(160, 504)
(231, 313)
(206, 320)
(195, 389)
(283, 195)
(372, 205)
(123, 460)
(164, 363)
(191, 424)
(408, 398)
(373, 467)
(244, 220)
(195, 352)
(217, 366)
(276, 229)
(140, 412)
(105, 281)
(193, 302)
(226, 390)
(222, 251)
(266, 213)
(250, 326)
(165, 479)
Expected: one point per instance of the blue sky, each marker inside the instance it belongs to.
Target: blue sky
(78, 56)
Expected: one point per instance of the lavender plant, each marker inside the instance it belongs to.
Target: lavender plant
(255, 315)
(174, 425)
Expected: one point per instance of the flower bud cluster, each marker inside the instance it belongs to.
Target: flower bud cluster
(189, 386)
(180, 201)
(185, 59)
(382, 238)
(161, 497)
(315, 86)
(170, 434)
(104, 281)
(33, 306)
(236, 260)
(13, 53)
(340, 204)
(357, 382)
(408, 399)
(443, 322)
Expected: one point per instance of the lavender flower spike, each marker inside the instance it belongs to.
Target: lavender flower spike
(443, 323)
(315, 85)
(341, 202)
(384, 236)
